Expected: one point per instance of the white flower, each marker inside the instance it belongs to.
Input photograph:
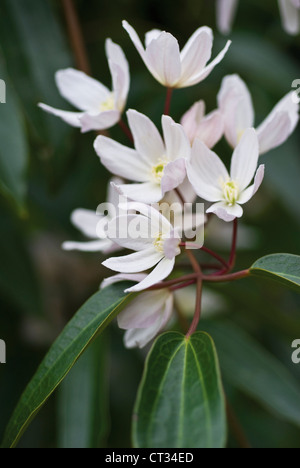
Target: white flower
(157, 244)
(99, 107)
(93, 226)
(146, 315)
(213, 183)
(236, 105)
(171, 67)
(158, 166)
(209, 128)
(290, 15)
(226, 10)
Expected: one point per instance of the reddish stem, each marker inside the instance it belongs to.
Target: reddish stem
(168, 101)
(224, 278)
(233, 246)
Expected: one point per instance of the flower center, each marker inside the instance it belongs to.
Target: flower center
(240, 134)
(109, 104)
(158, 170)
(231, 192)
(159, 243)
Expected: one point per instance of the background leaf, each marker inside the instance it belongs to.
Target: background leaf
(91, 319)
(284, 268)
(180, 402)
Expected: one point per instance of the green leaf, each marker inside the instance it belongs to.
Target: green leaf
(13, 147)
(180, 401)
(284, 268)
(256, 372)
(83, 416)
(90, 320)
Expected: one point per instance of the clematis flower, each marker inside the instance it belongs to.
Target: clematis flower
(290, 15)
(93, 226)
(99, 107)
(208, 129)
(235, 103)
(154, 240)
(213, 183)
(158, 166)
(226, 11)
(171, 67)
(146, 315)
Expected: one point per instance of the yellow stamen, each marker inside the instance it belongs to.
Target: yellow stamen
(158, 170)
(231, 192)
(109, 104)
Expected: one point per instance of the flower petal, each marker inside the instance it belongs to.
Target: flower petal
(147, 139)
(134, 263)
(136, 277)
(103, 245)
(290, 17)
(225, 212)
(71, 118)
(86, 221)
(226, 11)
(119, 69)
(245, 158)
(196, 53)
(160, 272)
(147, 192)
(121, 160)
(174, 175)
(176, 140)
(163, 59)
(132, 232)
(235, 103)
(211, 129)
(247, 194)
(279, 125)
(192, 119)
(206, 172)
(101, 121)
(151, 35)
(79, 89)
(135, 39)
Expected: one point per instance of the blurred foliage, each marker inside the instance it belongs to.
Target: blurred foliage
(47, 169)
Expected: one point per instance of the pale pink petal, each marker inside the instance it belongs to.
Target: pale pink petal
(160, 272)
(151, 35)
(247, 194)
(226, 11)
(245, 158)
(206, 172)
(147, 192)
(196, 53)
(296, 3)
(171, 246)
(187, 192)
(290, 17)
(174, 175)
(100, 121)
(121, 160)
(147, 139)
(120, 72)
(211, 129)
(192, 119)
(79, 89)
(235, 103)
(134, 263)
(71, 118)
(197, 78)
(163, 59)
(226, 212)
(176, 140)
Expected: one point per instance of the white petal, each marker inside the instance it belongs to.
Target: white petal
(226, 11)
(103, 245)
(79, 89)
(101, 121)
(296, 3)
(121, 160)
(144, 310)
(197, 78)
(196, 53)
(171, 246)
(247, 194)
(279, 125)
(225, 212)
(174, 175)
(132, 232)
(158, 222)
(211, 129)
(86, 221)
(290, 17)
(187, 192)
(147, 192)
(163, 59)
(134, 263)
(71, 118)
(176, 140)
(160, 272)
(135, 39)
(192, 119)
(151, 35)
(245, 158)
(206, 172)
(136, 277)
(119, 69)
(147, 139)
(235, 103)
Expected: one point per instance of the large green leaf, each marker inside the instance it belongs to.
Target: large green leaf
(284, 268)
(252, 369)
(90, 320)
(83, 413)
(13, 146)
(180, 402)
